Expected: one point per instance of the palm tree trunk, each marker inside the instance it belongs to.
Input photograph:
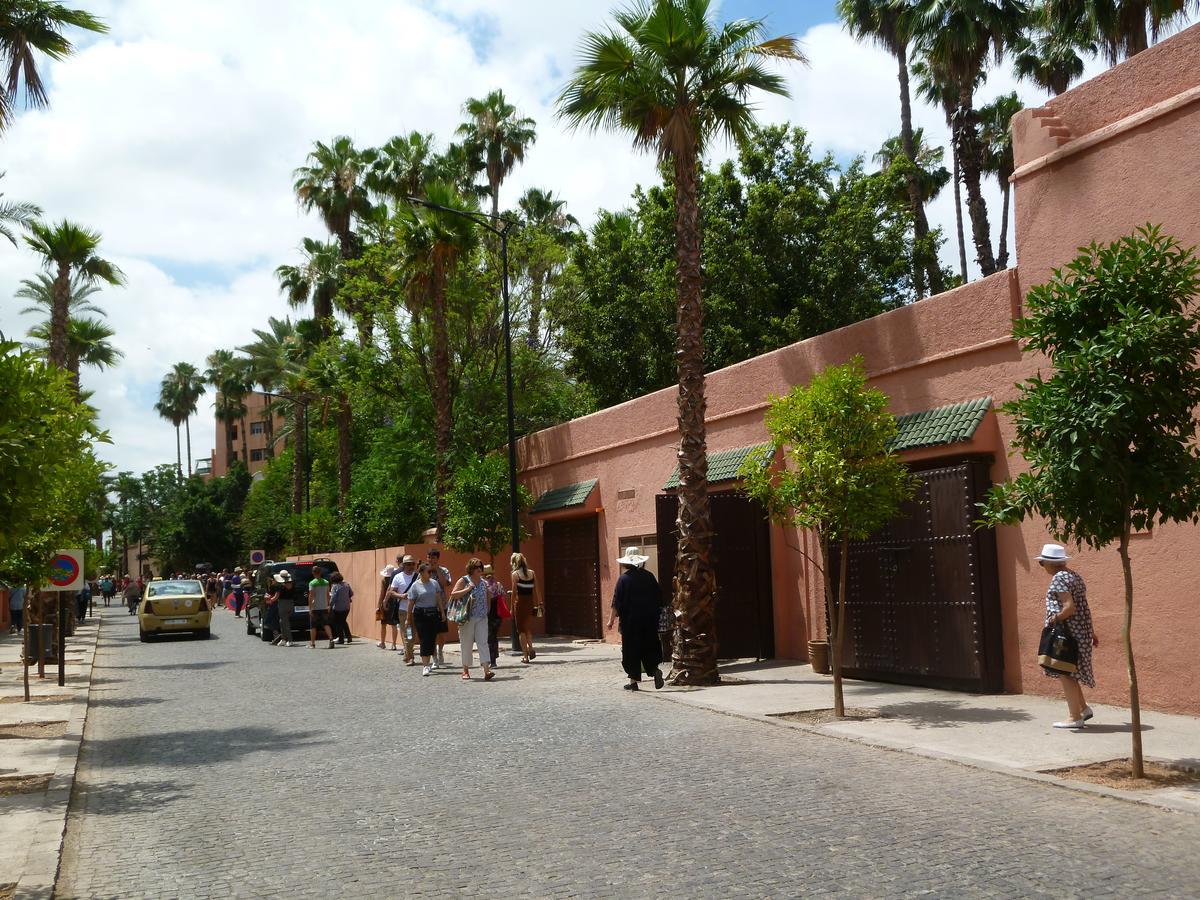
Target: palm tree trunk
(344, 422)
(922, 262)
(299, 452)
(187, 427)
(228, 445)
(1005, 190)
(966, 139)
(270, 410)
(958, 222)
(58, 316)
(245, 442)
(695, 659)
(73, 369)
(178, 455)
(441, 395)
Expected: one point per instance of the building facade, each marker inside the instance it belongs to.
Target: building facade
(250, 439)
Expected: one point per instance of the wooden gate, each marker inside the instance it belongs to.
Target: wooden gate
(742, 561)
(571, 577)
(923, 599)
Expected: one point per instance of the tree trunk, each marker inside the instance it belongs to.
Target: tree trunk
(837, 620)
(187, 427)
(73, 369)
(59, 311)
(537, 284)
(228, 444)
(958, 222)
(1005, 190)
(966, 140)
(922, 262)
(441, 395)
(1135, 706)
(695, 581)
(245, 442)
(344, 421)
(178, 455)
(299, 415)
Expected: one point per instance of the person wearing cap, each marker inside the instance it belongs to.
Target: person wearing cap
(284, 592)
(400, 602)
(1066, 603)
(637, 602)
(383, 605)
(442, 576)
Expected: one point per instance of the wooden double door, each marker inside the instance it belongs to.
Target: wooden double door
(571, 576)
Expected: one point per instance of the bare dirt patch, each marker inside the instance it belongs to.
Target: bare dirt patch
(22, 784)
(37, 698)
(825, 716)
(1114, 773)
(34, 730)
(8, 891)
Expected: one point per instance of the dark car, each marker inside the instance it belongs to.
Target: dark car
(302, 573)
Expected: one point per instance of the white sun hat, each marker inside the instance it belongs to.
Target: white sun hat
(1052, 553)
(632, 557)
(388, 571)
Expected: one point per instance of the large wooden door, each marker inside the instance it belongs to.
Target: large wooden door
(741, 554)
(923, 599)
(571, 577)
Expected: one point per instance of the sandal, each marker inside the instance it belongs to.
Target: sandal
(525, 659)
(488, 676)
(466, 676)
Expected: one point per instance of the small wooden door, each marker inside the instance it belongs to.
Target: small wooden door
(571, 577)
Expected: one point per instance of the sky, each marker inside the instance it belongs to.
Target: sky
(175, 135)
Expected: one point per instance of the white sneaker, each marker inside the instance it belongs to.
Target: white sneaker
(1078, 723)
(1087, 713)
(290, 644)
(426, 670)
(433, 664)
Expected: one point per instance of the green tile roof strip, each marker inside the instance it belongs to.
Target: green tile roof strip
(722, 466)
(944, 425)
(564, 497)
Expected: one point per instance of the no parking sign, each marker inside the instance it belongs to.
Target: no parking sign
(257, 557)
(66, 571)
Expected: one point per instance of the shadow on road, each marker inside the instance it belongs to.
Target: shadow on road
(187, 747)
(949, 713)
(126, 702)
(119, 798)
(171, 667)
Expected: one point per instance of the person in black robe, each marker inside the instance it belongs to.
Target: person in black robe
(637, 602)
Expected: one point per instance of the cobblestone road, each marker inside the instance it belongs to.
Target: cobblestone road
(228, 768)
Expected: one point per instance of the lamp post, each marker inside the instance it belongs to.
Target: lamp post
(489, 223)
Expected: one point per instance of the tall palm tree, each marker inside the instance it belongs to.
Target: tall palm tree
(888, 23)
(1122, 28)
(169, 407)
(316, 279)
(995, 120)
(935, 89)
(958, 37)
(500, 136)
(15, 214)
(401, 167)
(542, 212)
(672, 80)
(29, 28)
(433, 244)
(930, 173)
(230, 375)
(88, 344)
(69, 251)
(1049, 53)
(333, 184)
(39, 291)
(189, 387)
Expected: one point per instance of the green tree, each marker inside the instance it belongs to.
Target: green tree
(930, 172)
(1122, 28)
(87, 345)
(68, 252)
(477, 514)
(333, 184)
(1110, 435)
(169, 406)
(499, 135)
(39, 291)
(265, 517)
(402, 167)
(15, 214)
(838, 477)
(231, 376)
(542, 245)
(315, 280)
(996, 135)
(1051, 53)
(673, 81)
(187, 387)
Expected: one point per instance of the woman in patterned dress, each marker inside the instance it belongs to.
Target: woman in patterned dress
(1066, 602)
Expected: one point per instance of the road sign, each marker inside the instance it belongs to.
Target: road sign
(66, 571)
(257, 557)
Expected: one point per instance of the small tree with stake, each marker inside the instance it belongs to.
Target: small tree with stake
(1110, 436)
(839, 476)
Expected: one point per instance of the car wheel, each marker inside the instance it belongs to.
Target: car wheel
(204, 634)
(144, 635)
(250, 629)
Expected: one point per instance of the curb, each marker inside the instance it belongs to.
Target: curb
(45, 849)
(1082, 787)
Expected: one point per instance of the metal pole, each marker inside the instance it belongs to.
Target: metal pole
(514, 519)
(62, 641)
(307, 471)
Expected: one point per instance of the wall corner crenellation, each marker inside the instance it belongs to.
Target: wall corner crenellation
(1037, 132)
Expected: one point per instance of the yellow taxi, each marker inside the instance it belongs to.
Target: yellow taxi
(171, 606)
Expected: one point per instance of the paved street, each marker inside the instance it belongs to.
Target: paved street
(229, 768)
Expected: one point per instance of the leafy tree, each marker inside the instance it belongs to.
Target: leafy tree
(1050, 53)
(672, 80)
(231, 376)
(838, 478)
(1122, 28)
(15, 214)
(199, 524)
(499, 135)
(264, 523)
(169, 406)
(1110, 435)
(316, 279)
(39, 291)
(996, 135)
(68, 252)
(541, 249)
(185, 387)
(333, 184)
(87, 345)
(477, 516)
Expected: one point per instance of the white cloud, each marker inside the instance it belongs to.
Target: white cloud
(176, 135)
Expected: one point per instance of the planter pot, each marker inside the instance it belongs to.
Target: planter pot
(818, 656)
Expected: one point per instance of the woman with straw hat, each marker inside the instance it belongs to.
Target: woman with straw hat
(637, 602)
(1066, 603)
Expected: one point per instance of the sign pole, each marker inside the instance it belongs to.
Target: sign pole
(25, 649)
(62, 642)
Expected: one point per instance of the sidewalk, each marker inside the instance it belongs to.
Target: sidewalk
(1007, 733)
(32, 824)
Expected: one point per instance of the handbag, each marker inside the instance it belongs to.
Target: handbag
(459, 610)
(379, 614)
(1057, 651)
(502, 609)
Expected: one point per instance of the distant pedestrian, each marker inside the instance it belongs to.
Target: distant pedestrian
(210, 591)
(341, 595)
(318, 607)
(637, 602)
(133, 596)
(428, 614)
(237, 583)
(107, 588)
(82, 600)
(473, 631)
(270, 614)
(1066, 602)
(387, 607)
(398, 595)
(441, 575)
(284, 590)
(497, 612)
(527, 603)
(16, 609)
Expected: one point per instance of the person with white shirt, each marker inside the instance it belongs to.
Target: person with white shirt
(398, 593)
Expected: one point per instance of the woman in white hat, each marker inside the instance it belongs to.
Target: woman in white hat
(1066, 602)
(637, 602)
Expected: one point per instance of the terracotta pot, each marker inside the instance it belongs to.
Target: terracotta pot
(818, 656)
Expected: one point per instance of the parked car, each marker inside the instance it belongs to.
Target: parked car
(301, 576)
(171, 606)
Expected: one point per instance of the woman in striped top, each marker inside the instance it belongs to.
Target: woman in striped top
(528, 598)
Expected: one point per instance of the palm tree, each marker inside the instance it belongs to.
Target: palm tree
(1050, 53)
(87, 345)
(957, 37)
(334, 185)
(316, 279)
(888, 23)
(1122, 28)
(500, 136)
(401, 167)
(996, 123)
(15, 214)
(188, 387)
(28, 28)
(230, 375)
(68, 252)
(433, 243)
(543, 213)
(673, 81)
(169, 407)
(930, 173)
(39, 291)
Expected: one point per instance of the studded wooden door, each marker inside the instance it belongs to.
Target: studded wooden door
(571, 577)
(923, 599)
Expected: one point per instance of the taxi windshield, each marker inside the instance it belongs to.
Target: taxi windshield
(174, 588)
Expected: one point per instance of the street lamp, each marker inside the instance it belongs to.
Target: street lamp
(501, 230)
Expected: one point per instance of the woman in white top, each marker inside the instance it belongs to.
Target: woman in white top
(474, 631)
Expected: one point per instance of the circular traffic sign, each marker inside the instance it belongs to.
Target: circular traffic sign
(257, 557)
(63, 570)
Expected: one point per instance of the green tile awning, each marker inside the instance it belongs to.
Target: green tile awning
(564, 497)
(722, 466)
(944, 425)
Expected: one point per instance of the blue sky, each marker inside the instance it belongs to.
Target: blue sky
(795, 17)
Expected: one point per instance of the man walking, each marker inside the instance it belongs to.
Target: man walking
(440, 574)
(398, 591)
(285, 602)
(637, 602)
(16, 609)
(318, 608)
